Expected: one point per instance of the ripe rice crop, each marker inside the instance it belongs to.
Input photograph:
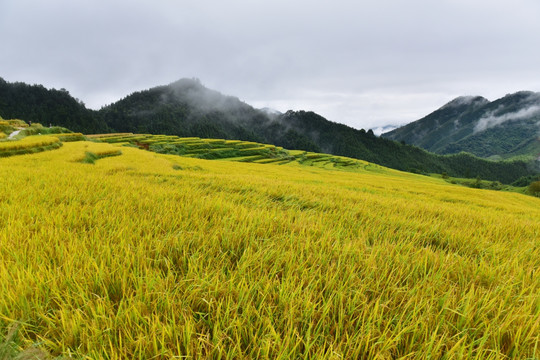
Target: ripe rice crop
(109, 135)
(29, 144)
(17, 122)
(188, 139)
(247, 145)
(201, 148)
(266, 161)
(145, 255)
(69, 137)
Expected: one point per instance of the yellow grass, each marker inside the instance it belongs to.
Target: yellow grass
(69, 136)
(28, 142)
(17, 122)
(145, 256)
(108, 135)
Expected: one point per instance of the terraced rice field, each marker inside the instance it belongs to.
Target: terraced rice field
(30, 144)
(232, 150)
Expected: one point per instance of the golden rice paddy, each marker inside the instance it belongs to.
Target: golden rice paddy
(150, 256)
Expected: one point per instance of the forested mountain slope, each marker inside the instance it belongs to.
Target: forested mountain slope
(35, 103)
(504, 128)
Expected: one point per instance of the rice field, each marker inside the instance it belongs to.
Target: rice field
(29, 144)
(25, 139)
(13, 122)
(69, 137)
(230, 150)
(152, 256)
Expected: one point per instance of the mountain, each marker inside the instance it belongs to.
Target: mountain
(184, 108)
(503, 128)
(37, 104)
(187, 108)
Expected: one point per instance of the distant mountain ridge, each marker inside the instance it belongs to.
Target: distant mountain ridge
(503, 128)
(187, 108)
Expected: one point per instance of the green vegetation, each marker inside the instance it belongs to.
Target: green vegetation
(534, 188)
(91, 157)
(8, 126)
(526, 180)
(507, 141)
(478, 183)
(38, 129)
(10, 348)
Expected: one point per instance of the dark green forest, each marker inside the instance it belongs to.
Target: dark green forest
(187, 108)
(35, 103)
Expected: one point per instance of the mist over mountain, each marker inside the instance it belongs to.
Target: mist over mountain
(187, 108)
(271, 112)
(503, 128)
(383, 129)
(184, 108)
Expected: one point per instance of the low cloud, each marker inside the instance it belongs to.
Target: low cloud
(383, 129)
(492, 120)
(466, 100)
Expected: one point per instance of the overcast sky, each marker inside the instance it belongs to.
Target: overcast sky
(365, 63)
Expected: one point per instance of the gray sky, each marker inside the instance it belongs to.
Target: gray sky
(365, 63)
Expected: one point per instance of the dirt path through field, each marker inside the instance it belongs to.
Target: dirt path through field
(13, 134)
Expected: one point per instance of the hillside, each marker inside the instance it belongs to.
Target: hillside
(188, 109)
(143, 255)
(504, 128)
(35, 103)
